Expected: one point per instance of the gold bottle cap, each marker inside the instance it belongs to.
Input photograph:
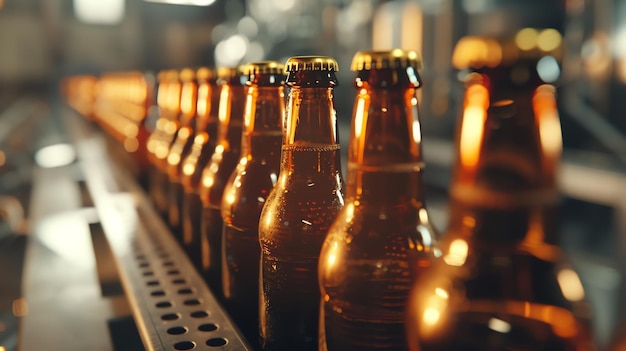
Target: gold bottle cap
(528, 43)
(187, 74)
(161, 76)
(264, 67)
(397, 58)
(205, 73)
(227, 73)
(172, 75)
(311, 63)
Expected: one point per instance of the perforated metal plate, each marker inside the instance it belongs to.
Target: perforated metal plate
(172, 306)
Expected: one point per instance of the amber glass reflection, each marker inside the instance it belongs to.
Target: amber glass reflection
(160, 140)
(216, 173)
(502, 282)
(246, 191)
(300, 208)
(180, 147)
(364, 266)
(199, 155)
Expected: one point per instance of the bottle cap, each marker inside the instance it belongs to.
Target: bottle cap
(205, 73)
(172, 75)
(264, 67)
(527, 44)
(227, 73)
(311, 63)
(187, 74)
(397, 58)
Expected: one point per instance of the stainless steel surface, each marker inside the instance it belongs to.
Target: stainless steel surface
(172, 306)
(101, 269)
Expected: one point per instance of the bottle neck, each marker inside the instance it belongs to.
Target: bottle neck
(508, 147)
(263, 120)
(203, 105)
(311, 117)
(384, 155)
(310, 139)
(172, 101)
(230, 114)
(188, 103)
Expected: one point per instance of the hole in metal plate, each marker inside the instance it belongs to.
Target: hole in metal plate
(185, 345)
(170, 316)
(199, 314)
(177, 330)
(163, 304)
(208, 327)
(216, 342)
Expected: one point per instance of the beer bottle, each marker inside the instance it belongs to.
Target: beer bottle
(218, 170)
(501, 282)
(199, 155)
(161, 139)
(364, 268)
(182, 142)
(246, 191)
(300, 208)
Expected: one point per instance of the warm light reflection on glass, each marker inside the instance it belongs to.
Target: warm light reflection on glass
(473, 123)
(170, 127)
(55, 155)
(131, 144)
(434, 308)
(224, 106)
(359, 113)
(417, 132)
(3, 158)
(187, 98)
(173, 100)
(20, 307)
(269, 218)
(131, 130)
(547, 115)
(184, 132)
(173, 159)
(188, 169)
(441, 293)
(457, 253)
(161, 152)
(203, 96)
(570, 285)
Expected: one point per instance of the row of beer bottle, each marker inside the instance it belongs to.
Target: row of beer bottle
(306, 263)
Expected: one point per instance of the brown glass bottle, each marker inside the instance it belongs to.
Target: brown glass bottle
(160, 120)
(300, 208)
(180, 146)
(501, 282)
(246, 191)
(364, 266)
(218, 170)
(161, 140)
(199, 155)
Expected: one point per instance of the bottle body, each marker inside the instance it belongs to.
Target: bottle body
(246, 192)
(300, 209)
(293, 225)
(214, 177)
(199, 155)
(181, 145)
(365, 266)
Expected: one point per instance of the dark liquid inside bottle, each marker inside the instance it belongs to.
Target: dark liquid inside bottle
(289, 261)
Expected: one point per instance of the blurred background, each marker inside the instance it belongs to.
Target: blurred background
(42, 42)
